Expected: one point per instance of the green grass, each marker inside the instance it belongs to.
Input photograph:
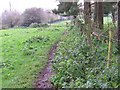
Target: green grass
(0, 62)
(25, 53)
(107, 20)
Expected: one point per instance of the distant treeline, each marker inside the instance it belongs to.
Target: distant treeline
(13, 18)
(58, 20)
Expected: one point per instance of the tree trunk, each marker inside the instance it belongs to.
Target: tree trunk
(95, 12)
(87, 18)
(119, 28)
(100, 14)
(87, 11)
(119, 38)
(113, 16)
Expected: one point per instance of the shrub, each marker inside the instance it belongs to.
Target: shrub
(43, 25)
(34, 25)
(77, 66)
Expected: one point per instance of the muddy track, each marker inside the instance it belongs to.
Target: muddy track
(43, 80)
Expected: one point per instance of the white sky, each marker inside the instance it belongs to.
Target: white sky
(21, 5)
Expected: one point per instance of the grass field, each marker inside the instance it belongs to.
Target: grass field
(25, 53)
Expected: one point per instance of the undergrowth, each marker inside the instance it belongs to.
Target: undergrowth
(76, 65)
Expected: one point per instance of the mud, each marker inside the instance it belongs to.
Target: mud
(43, 80)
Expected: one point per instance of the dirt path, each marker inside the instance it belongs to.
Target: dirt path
(43, 79)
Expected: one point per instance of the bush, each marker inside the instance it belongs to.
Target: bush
(36, 25)
(77, 66)
(43, 25)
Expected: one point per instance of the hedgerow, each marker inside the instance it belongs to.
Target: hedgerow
(76, 65)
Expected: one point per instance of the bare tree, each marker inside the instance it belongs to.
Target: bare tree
(0, 22)
(32, 15)
(37, 15)
(10, 19)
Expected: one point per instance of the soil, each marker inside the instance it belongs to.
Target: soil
(43, 80)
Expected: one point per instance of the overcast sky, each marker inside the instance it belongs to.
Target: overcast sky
(21, 5)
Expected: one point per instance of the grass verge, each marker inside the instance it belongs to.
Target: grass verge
(25, 53)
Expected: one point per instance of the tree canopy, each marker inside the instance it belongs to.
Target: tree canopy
(67, 8)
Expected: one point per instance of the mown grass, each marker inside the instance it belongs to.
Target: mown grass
(25, 53)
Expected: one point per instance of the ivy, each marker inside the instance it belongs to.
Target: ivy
(77, 66)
